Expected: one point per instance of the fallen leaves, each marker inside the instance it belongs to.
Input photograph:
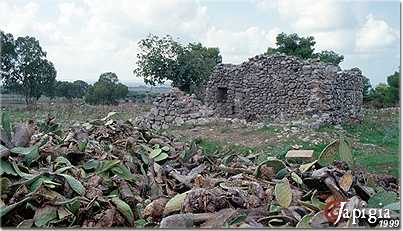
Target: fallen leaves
(346, 181)
(74, 184)
(109, 173)
(283, 193)
(175, 203)
(44, 215)
(124, 208)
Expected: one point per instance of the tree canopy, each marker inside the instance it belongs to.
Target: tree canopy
(107, 90)
(303, 47)
(162, 59)
(25, 68)
(385, 94)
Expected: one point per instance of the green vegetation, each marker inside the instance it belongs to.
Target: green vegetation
(375, 142)
(107, 90)
(381, 134)
(69, 113)
(303, 47)
(162, 59)
(69, 90)
(25, 68)
(384, 95)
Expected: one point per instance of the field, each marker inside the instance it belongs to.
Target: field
(375, 140)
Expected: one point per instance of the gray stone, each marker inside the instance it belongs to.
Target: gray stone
(266, 87)
(284, 87)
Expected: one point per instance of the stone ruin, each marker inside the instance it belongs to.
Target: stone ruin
(284, 87)
(275, 88)
(175, 108)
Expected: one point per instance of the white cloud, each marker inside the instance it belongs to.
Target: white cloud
(311, 15)
(331, 22)
(89, 37)
(237, 46)
(338, 40)
(18, 19)
(375, 35)
(84, 38)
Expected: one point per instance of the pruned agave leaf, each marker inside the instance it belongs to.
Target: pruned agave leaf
(5, 167)
(283, 193)
(296, 178)
(346, 181)
(328, 155)
(30, 154)
(276, 164)
(6, 124)
(155, 152)
(74, 184)
(124, 208)
(346, 153)
(305, 167)
(161, 157)
(175, 203)
(44, 215)
(304, 222)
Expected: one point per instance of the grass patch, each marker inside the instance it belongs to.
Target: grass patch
(326, 128)
(378, 162)
(268, 130)
(209, 147)
(69, 113)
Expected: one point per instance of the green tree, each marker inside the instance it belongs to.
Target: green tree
(25, 68)
(330, 57)
(394, 84)
(107, 90)
(65, 89)
(303, 47)
(386, 95)
(162, 59)
(121, 91)
(80, 88)
(108, 78)
(366, 91)
(295, 45)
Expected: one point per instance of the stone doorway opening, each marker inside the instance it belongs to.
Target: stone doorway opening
(222, 94)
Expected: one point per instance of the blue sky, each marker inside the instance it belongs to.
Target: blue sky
(84, 38)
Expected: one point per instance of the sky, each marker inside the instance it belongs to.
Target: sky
(84, 38)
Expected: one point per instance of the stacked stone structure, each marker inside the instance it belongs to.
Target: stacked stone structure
(284, 87)
(175, 108)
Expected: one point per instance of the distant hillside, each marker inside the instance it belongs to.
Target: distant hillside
(158, 89)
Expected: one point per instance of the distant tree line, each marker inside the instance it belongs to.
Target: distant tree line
(69, 90)
(107, 90)
(25, 70)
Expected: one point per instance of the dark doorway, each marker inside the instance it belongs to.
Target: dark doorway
(222, 94)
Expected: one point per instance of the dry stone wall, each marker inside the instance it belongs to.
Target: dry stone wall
(175, 108)
(282, 87)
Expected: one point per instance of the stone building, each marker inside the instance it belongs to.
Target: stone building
(284, 87)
